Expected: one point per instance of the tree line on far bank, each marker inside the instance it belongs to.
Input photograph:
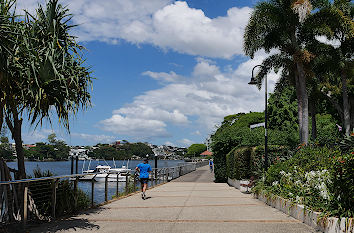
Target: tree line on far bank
(57, 150)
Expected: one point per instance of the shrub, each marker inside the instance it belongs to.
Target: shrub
(41, 192)
(317, 177)
(238, 163)
(327, 131)
(244, 162)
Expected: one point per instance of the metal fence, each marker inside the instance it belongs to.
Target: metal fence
(43, 199)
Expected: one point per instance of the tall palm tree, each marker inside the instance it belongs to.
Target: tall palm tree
(276, 24)
(335, 22)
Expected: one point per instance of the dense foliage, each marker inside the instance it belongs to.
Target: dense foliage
(55, 150)
(317, 177)
(244, 162)
(196, 149)
(235, 132)
(5, 150)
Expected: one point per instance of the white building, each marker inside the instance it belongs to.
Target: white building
(79, 152)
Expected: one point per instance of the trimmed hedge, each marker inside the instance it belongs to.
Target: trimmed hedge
(244, 162)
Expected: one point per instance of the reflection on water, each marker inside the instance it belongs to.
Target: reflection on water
(64, 168)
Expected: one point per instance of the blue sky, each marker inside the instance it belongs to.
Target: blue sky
(167, 72)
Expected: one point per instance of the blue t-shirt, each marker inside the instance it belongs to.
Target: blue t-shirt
(144, 170)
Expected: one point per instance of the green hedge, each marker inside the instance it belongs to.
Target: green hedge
(244, 162)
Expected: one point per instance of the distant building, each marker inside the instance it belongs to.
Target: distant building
(79, 152)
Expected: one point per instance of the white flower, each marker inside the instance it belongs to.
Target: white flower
(282, 172)
(275, 183)
(298, 182)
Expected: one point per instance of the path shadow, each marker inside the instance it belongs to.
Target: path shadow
(67, 224)
(76, 222)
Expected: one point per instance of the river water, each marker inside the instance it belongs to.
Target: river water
(64, 168)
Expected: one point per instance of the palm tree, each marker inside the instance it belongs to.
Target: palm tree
(276, 24)
(335, 22)
(6, 33)
(50, 77)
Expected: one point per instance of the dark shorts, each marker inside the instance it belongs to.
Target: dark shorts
(144, 180)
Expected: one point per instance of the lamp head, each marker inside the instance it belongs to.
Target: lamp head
(253, 81)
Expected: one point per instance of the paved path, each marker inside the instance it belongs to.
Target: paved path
(192, 203)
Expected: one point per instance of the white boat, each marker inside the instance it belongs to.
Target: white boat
(102, 171)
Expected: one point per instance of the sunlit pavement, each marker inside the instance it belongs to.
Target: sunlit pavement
(192, 203)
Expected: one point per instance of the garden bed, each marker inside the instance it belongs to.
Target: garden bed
(309, 217)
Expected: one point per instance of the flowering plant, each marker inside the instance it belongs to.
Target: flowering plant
(319, 178)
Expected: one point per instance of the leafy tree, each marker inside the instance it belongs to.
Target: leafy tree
(196, 149)
(5, 150)
(282, 109)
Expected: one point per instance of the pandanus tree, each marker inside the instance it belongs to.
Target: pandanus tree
(46, 74)
(276, 25)
(6, 32)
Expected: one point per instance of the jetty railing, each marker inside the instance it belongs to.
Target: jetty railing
(44, 199)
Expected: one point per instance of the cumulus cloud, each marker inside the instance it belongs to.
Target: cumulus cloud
(134, 126)
(200, 100)
(163, 76)
(93, 138)
(39, 135)
(164, 23)
(186, 142)
(168, 143)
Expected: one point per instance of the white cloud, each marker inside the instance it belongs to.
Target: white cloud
(168, 143)
(163, 76)
(136, 127)
(94, 138)
(197, 133)
(186, 142)
(163, 23)
(200, 100)
(39, 135)
(334, 42)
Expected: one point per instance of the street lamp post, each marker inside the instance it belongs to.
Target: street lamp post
(255, 82)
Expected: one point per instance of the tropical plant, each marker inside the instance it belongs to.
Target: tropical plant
(46, 74)
(276, 24)
(334, 26)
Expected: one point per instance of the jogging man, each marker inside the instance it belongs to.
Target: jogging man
(144, 169)
(211, 165)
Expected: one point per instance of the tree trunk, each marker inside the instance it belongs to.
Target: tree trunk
(346, 107)
(16, 131)
(303, 107)
(313, 120)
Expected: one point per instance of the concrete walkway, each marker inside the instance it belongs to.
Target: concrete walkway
(192, 203)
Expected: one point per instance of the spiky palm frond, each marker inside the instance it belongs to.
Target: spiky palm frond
(274, 62)
(46, 73)
(270, 27)
(63, 79)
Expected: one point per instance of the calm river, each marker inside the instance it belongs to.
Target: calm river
(64, 168)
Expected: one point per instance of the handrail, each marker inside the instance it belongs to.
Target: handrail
(34, 192)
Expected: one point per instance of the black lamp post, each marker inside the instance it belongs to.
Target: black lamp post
(255, 82)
